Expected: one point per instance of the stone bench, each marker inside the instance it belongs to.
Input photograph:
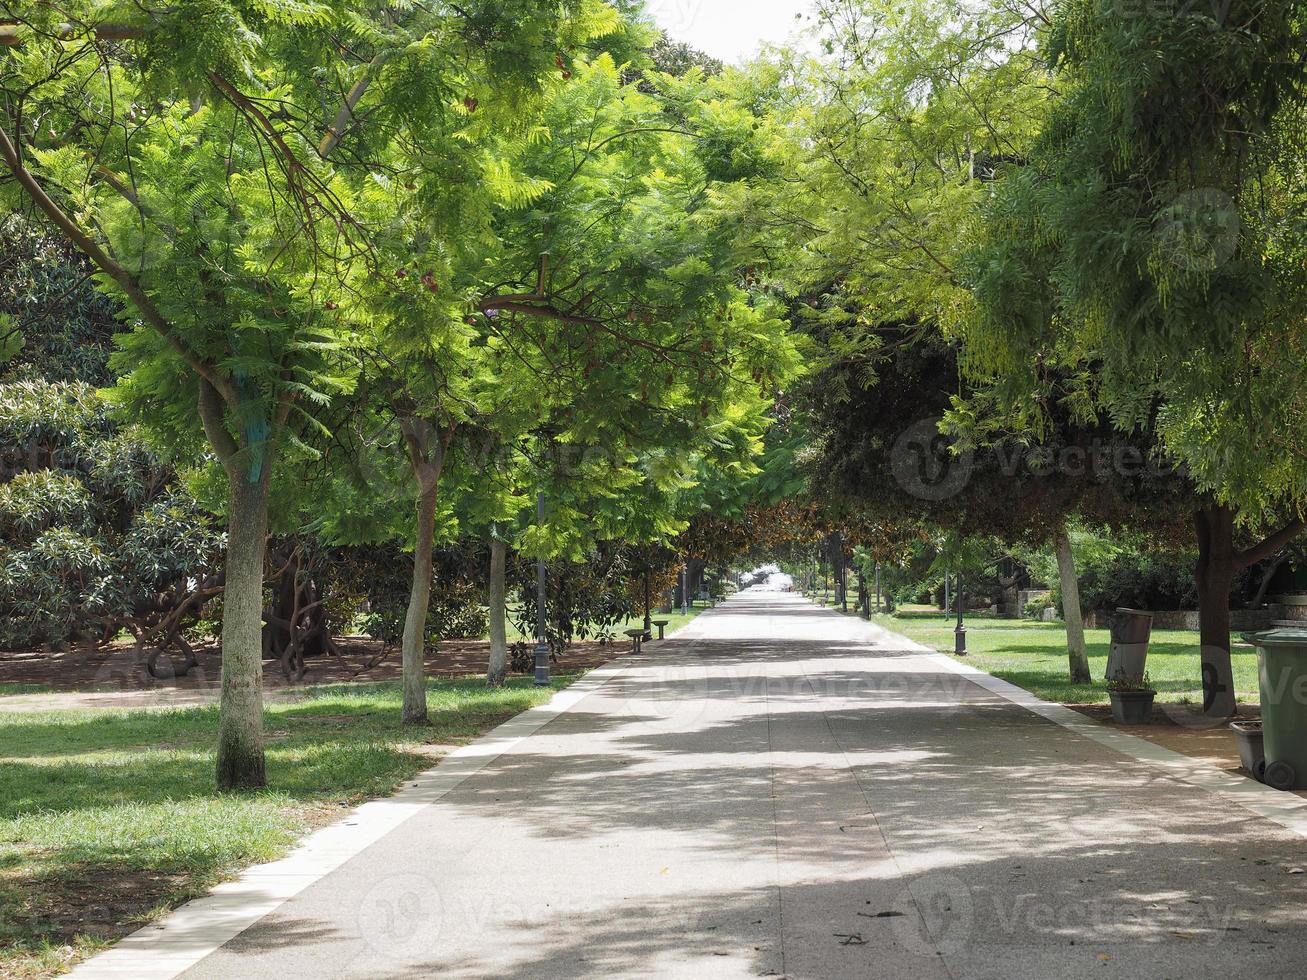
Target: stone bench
(662, 625)
(636, 637)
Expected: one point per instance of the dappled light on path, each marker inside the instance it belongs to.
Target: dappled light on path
(785, 791)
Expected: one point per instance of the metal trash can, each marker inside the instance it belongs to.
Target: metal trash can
(1127, 657)
(1282, 678)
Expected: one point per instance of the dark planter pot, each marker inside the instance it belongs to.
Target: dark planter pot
(1132, 707)
(1252, 756)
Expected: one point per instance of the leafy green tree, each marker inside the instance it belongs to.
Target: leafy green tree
(678, 58)
(608, 323)
(190, 160)
(896, 128)
(447, 187)
(1151, 248)
(892, 129)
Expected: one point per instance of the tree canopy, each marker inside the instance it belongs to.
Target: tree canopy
(373, 280)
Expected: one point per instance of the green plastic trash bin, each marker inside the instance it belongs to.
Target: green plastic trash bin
(1128, 654)
(1282, 677)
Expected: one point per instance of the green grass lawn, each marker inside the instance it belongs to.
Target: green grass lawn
(1033, 656)
(109, 817)
(23, 689)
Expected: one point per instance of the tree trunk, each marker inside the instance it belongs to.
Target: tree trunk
(1077, 655)
(240, 714)
(694, 579)
(419, 603)
(498, 629)
(1214, 578)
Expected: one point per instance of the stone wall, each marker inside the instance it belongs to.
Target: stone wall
(1290, 607)
(1187, 619)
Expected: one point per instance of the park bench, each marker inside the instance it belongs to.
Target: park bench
(636, 637)
(662, 625)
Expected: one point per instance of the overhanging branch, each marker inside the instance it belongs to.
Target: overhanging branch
(15, 35)
(1270, 545)
(103, 261)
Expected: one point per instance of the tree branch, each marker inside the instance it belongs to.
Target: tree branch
(503, 304)
(1269, 545)
(336, 131)
(14, 35)
(210, 407)
(106, 264)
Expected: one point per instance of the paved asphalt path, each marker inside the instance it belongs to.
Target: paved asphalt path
(784, 791)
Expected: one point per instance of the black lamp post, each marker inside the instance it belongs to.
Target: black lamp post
(959, 631)
(648, 616)
(542, 635)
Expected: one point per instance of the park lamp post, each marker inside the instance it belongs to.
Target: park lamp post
(542, 635)
(648, 613)
(959, 631)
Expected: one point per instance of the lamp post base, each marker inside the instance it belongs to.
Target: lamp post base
(542, 665)
(960, 641)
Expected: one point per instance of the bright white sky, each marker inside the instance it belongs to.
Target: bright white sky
(731, 30)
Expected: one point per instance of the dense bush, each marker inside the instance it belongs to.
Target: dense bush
(94, 534)
(590, 599)
(1137, 580)
(369, 588)
(61, 326)
(1036, 607)
(1122, 570)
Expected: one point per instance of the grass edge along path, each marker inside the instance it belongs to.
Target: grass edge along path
(1032, 655)
(109, 819)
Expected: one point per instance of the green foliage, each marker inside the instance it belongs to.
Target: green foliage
(1152, 243)
(678, 58)
(893, 130)
(94, 533)
(1036, 607)
(1138, 581)
(318, 274)
(369, 590)
(583, 600)
(53, 323)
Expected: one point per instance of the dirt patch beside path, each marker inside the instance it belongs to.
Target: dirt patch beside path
(1176, 727)
(111, 678)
